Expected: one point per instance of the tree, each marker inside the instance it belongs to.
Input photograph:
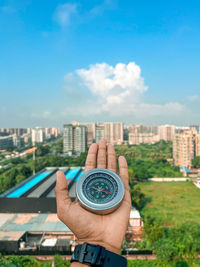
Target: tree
(59, 146)
(25, 170)
(186, 238)
(20, 178)
(165, 249)
(196, 162)
(153, 231)
(42, 150)
(137, 197)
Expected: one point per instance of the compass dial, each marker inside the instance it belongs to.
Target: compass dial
(100, 191)
(100, 188)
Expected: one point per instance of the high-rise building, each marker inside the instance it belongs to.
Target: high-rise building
(38, 135)
(113, 132)
(197, 145)
(80, 139)
(166, 132)
(68, 139)
(99, 130)
(91, 131)
(184, 148)
(74, 139)
(6, 142)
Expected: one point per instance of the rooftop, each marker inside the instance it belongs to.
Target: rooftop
(32, 222)
(36, 193)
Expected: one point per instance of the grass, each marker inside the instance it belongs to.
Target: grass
(171, 203)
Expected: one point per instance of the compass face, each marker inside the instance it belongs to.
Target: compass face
(100, 188)
(100, 191)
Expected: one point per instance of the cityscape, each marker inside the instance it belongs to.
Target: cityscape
(78, 136)
(99, 113)
(165, 157)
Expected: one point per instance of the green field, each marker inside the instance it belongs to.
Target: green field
(171, 203)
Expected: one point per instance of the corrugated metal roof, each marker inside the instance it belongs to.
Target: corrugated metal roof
(36, 223)
(10, 235)
(72, 173)
(20, 191)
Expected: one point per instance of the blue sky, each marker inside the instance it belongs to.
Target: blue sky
(131, 61)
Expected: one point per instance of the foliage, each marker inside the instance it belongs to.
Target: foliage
(182, 241)
(148, 161)
(19, 261)
(42, 150)
(196, 162)
(153, 231)
(60, 262)
(14, 176)
(57, 147)
(171, 231)
(171, 203)
(166, 250)
(186, 237)
(27, 261)
(137, 197)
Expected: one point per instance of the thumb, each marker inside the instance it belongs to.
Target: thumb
(62, 196)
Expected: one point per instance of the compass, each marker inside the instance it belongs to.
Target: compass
(100, 191)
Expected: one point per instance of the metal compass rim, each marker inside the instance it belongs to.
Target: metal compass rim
(100, 206)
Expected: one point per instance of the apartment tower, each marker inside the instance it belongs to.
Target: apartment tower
(74, 139)
(184, 148)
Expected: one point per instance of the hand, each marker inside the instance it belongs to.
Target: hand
(105, 230)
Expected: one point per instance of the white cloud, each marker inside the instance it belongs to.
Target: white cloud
(114, 85)
(64, 13)
(115, 92)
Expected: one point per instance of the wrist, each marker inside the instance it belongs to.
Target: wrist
(96, 255)
(107, 246)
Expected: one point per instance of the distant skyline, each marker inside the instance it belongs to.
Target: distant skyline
(130, 61)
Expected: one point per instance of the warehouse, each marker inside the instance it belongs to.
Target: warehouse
(36, 193)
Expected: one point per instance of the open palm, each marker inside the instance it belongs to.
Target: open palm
(105, 230)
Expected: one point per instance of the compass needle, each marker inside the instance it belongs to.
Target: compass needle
(100, 191)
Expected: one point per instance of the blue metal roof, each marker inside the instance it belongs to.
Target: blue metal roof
(20, 191)
(72, 173)
(78, 176)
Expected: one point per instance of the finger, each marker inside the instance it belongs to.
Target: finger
(112, 163)
(91, 161)
(125, 207)
(61, 191)
(101, 155)
(123, 171)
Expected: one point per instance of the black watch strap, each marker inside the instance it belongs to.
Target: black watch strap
(94, 255)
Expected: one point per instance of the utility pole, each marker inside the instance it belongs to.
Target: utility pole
(34, 159)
